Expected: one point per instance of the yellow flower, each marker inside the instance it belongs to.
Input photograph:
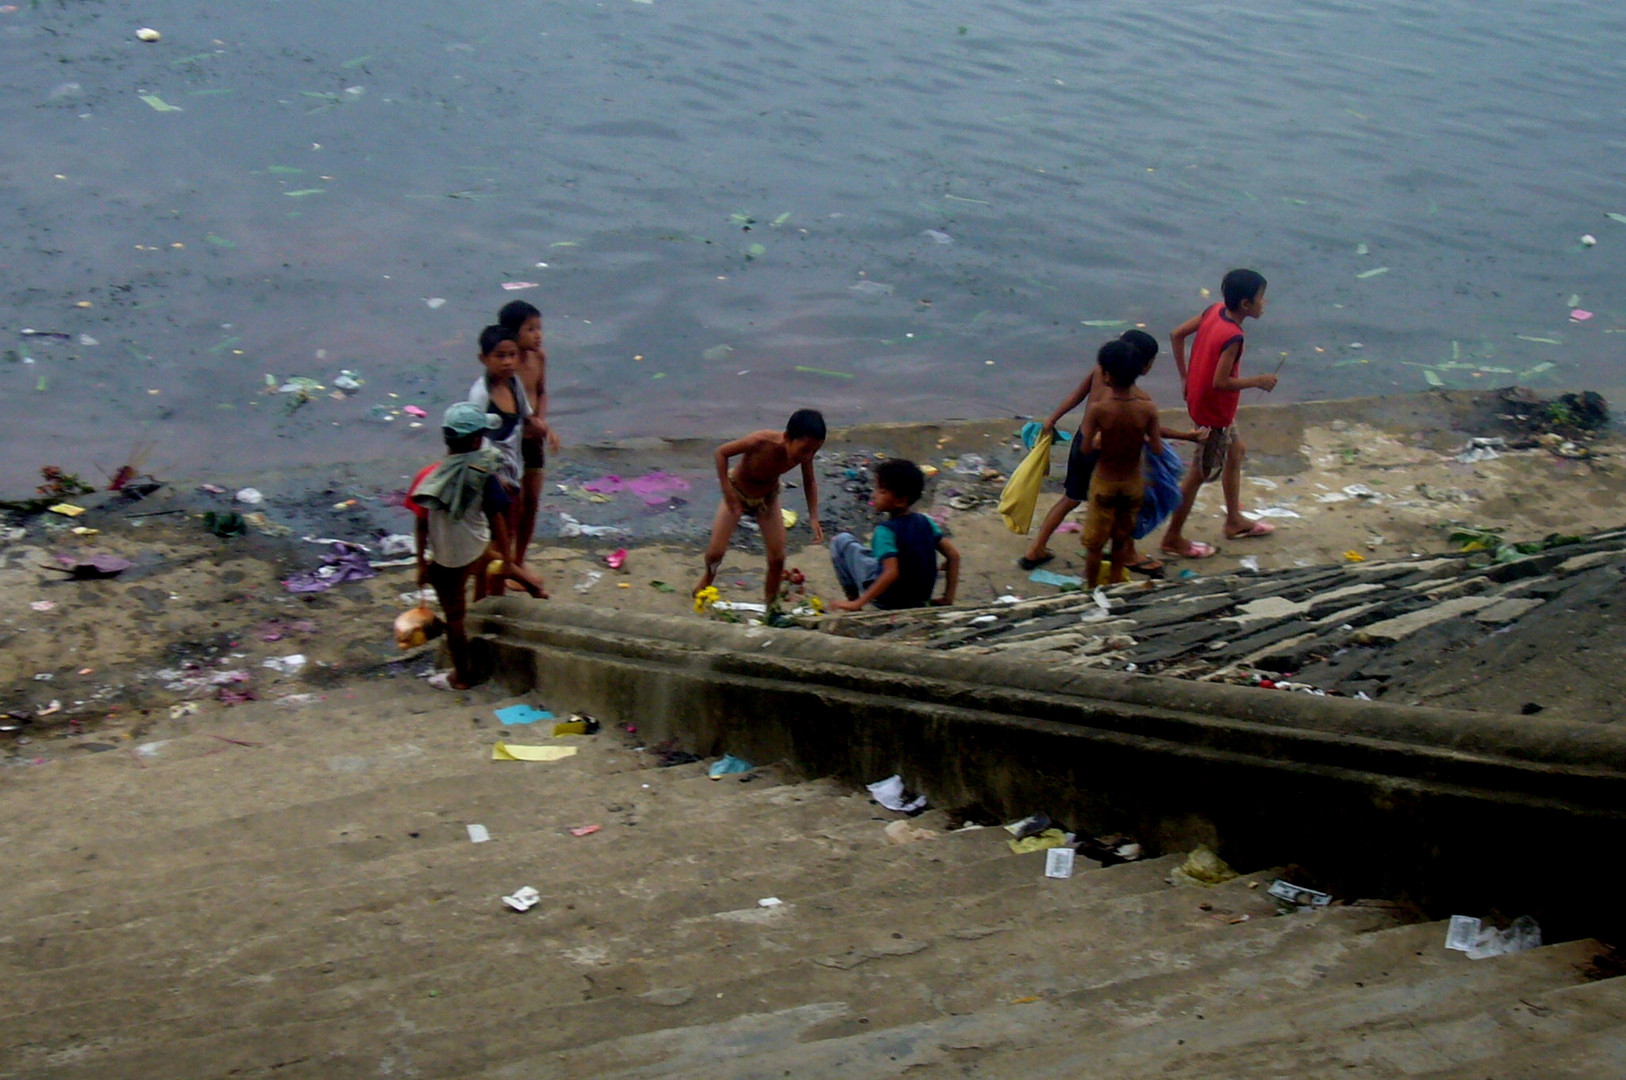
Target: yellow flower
(705, 598)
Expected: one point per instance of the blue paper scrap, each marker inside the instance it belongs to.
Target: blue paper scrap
(1050, 577)
(523, 714)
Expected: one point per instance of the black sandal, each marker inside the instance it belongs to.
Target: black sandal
(1033, 564)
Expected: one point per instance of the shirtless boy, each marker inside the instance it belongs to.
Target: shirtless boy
(753, 488)
(1126, 423)
(538, 437)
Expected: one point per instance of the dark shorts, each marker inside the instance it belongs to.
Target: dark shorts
(531, 452)
(1079, 467)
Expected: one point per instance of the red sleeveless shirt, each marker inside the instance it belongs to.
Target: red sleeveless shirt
(1209, 407)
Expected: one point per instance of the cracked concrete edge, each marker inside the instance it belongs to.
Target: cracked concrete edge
(1592, 750)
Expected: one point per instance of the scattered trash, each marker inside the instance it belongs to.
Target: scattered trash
(1058, 862)
(90, 567)
(1249, 563)
(225, 525)
(1580, 315)
(417, 626)
(250, 496)
(891, 794)
(1298, 895)
(901, 832)
(653, 488)
(661, 586)
(523, 899)
(515, 286)
(413, 410)
(295, 701)
(522, 714)
(348, 380)
(1203, 867)
(284, 665)
(346, 562)
(1481, 449)
(585, 830)
(514, 752)
(616, 559)
(67, 509)
(395, 544)
(578, 724)
(571, 528)
(1588, 240)
(1042, 576)
(43, 605)
(1043, 841)
(1270, 512)
(937, 236)
(727, 766)
(872, 289)
(186, 708)
(591, 578)
(147, 34)
(264, 525)
(1353, 556)
(1469, 935)
(1109, 850)
(478, 834)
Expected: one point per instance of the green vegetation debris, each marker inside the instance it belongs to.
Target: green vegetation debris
(302, 192)
(159, 104)
(1374, 272)
(1539, 340)
(1103, 322)
(1432, 379)
(355, 62)
(805, 370)
(755, 251)
(220, 241)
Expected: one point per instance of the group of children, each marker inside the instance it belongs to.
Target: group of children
(477, 508)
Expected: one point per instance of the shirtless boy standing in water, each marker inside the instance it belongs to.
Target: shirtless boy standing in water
(753, 488)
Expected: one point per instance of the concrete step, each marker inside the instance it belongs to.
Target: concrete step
(1595, 1056)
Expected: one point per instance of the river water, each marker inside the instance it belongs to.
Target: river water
(726, 210)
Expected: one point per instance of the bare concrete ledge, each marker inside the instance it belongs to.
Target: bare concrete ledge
(1444, 807)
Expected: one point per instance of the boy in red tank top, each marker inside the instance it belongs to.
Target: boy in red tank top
(1214, 385)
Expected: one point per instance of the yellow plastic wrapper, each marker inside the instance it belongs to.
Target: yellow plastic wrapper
(1203, 867)
(1021, 494)
(1038, 841)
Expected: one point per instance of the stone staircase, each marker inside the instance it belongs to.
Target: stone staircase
(257, 892)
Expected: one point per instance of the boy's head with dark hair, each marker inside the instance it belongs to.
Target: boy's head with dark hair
(1144, 344)
(499, 352)
(515, 312)
(493, 336)
(1121, 363)
(526, 323)
(804, 434)
(805, 424)
(1241, 287)
(902, 481)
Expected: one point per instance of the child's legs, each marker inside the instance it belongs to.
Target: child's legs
(1231, 484)
(1052, 521)
(856, 568)
(1123, 538)
(1190, 484)
(722, 530)
(772, 524)
(1098, 521)
(449, 586)
(530, 495)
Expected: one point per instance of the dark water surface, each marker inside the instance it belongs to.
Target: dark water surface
(928, 204)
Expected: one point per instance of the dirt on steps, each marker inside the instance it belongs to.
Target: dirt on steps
(265, 892)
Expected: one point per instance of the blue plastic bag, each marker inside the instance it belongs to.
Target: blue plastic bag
(1030, 434)
(1162, 490)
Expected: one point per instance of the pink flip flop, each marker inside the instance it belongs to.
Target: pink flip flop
(1257, 529)
(1194, 549)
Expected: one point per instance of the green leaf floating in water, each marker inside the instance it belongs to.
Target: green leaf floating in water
(755, 251)
(302, 192)
(1374, 272)
(805, 370)
(159, 103)
(1617, 217)
(1538, 340)
(1432, 379)
(1103, 322)
(220, 241)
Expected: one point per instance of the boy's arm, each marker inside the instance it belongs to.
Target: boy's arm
(1224, 373)
(420, 538)
(889, 575)
(1071, 403)
(1092, 428)
(810, 486)
(724, 453)
(538, 420)
(951, 571)
(1194, 435)
(1154, 431)
(1177, 343)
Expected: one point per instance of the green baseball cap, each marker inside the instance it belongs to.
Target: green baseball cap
(467, 418)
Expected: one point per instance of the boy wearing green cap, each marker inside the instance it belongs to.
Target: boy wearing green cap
(462, 510)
